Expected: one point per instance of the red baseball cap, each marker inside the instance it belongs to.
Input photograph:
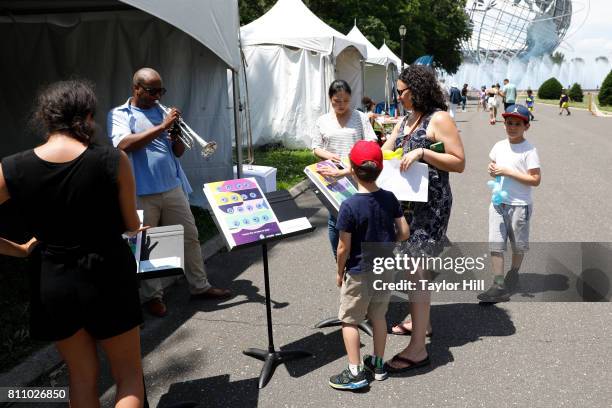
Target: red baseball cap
(364, 151)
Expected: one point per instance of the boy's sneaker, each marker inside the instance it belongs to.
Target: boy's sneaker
(347, 381)
(495, 294)
(511, 281)
(379, 373)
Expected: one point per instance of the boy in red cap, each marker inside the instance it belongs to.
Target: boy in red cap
(371, 215)
(515, 161)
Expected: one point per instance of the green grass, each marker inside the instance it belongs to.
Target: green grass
(289, 164)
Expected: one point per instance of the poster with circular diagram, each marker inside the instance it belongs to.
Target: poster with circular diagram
(241, 211)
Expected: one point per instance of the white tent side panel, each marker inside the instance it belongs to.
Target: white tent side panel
(349, 68)
(375, 79)
(287, 93)
(107, 48)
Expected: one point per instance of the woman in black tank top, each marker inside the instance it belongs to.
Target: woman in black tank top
(77, 199)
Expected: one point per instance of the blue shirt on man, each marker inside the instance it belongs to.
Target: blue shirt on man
(369, 217)
(156, 168)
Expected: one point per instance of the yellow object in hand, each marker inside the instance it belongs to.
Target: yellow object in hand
(397, 154)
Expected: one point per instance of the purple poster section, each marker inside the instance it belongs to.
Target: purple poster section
(246, 213)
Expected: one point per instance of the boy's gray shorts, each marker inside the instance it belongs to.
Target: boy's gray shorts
(509, 222)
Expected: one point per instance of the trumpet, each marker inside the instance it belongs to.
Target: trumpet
(188, 136)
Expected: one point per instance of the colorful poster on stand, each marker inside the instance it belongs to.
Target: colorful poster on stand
(333, 190)
(241, 211)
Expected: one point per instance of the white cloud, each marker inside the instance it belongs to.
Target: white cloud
(590, 34)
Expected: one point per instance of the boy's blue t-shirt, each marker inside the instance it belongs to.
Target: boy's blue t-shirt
(369, 217)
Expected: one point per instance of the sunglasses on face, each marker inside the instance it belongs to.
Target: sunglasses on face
(153, 91)
(401, 91)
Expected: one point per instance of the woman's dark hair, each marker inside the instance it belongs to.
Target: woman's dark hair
(427, 96)
(367, 102)
(339, 85)
(64, 106)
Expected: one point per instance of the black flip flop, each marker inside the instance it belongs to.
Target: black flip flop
(413, 364)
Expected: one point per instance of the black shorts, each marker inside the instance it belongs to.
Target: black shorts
(96, 291)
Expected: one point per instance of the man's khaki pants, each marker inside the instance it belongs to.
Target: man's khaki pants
(172, 208)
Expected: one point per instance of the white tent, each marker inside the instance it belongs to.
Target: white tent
(388, 53)
(380, 70)
(192, 43)
(291, 58)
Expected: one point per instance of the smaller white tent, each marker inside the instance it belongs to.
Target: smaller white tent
(291, 57)
(380, 70)
(388, 53)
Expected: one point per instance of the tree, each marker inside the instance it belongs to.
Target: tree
(550, 89)
(605, 92)
(557, 58)
(575, 93)
(434, 27)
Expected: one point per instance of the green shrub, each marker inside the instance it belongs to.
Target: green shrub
(575, 93)
(550, 89)
(605, 92)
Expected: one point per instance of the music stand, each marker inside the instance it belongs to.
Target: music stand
(237, 205)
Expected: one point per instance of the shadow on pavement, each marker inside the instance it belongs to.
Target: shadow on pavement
(215, 391)
(455, 325)
(325, 348)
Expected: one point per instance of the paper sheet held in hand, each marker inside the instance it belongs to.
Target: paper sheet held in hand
(409, 185)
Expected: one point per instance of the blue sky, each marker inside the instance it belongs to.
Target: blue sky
(590, 34)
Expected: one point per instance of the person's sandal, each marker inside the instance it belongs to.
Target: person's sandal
(412, 365)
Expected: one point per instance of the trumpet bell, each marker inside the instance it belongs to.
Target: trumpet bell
(209, 149)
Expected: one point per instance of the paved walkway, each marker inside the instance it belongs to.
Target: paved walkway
(515, 354)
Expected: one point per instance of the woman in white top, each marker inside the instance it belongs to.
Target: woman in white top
(336, 133)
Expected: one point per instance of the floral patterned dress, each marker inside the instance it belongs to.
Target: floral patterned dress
(428, 221)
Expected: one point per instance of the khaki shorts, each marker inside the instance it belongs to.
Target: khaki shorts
(358, 302)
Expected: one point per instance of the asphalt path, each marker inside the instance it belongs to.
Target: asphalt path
(516, 354)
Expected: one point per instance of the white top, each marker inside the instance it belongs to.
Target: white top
(339, 140)
(520, 157)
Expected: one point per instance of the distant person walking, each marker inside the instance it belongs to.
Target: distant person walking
(530, 103)
(464, 92)
(509, 93)
(564, 103)
(455, 100)
(492, 104)
(482, 101)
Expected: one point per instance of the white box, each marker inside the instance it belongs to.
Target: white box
(265, 176)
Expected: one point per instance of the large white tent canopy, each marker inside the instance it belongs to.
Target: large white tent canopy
(380, 70)
(385, 50)
(291, 58)
(192, 43)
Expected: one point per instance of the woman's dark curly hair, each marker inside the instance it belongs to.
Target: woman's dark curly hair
(64, 106)
(427, 97)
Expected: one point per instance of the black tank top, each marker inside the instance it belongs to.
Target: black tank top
(71, 204)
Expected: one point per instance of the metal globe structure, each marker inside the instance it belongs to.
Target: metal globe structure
(509, 29)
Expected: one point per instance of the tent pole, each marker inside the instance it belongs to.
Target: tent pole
(236, 93)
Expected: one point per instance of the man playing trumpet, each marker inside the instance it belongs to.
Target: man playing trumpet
(140, 128)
